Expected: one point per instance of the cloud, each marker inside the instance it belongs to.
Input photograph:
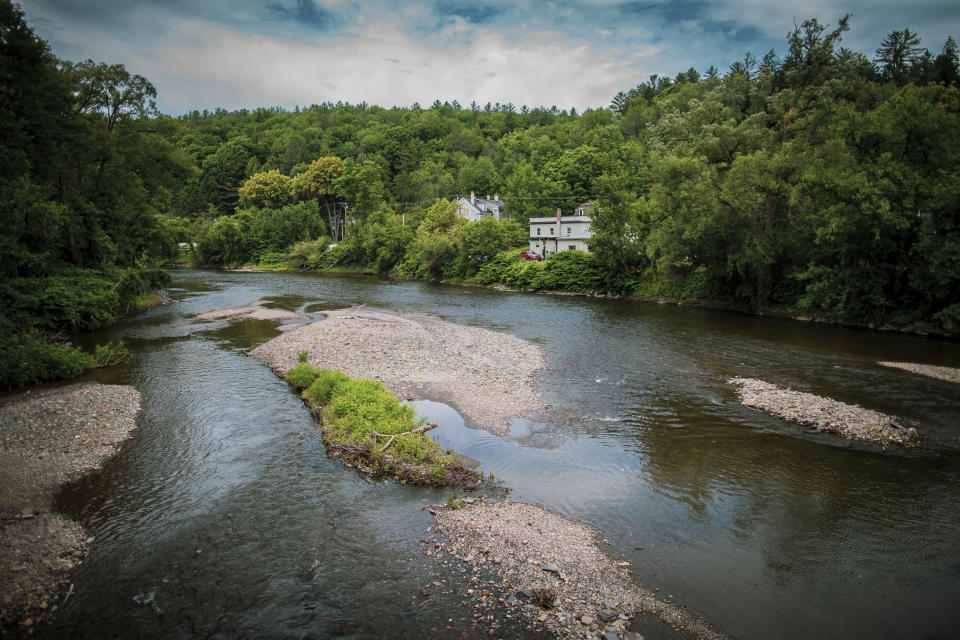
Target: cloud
(209, 67)
(249, 53)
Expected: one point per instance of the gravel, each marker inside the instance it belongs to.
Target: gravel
(537, 556)
(46, 440)
(949, 374)
(253, 311)
(487, 376)
(849, 421)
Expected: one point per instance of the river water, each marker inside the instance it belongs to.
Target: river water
(222, 517)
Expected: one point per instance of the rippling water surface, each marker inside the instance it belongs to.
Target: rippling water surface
(222, 516)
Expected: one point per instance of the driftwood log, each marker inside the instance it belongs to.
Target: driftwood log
(421, 429)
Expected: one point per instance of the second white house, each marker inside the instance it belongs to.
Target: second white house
(561, 232)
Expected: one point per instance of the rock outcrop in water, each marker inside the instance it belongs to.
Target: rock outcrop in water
(825, 414)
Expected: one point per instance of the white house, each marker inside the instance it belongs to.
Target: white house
(561, 233)
(474, 208)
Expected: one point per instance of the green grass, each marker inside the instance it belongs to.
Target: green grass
(358, 417)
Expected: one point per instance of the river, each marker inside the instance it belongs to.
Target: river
(222, 516)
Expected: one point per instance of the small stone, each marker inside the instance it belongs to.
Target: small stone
(512, 599)
(610, 634)
(587, 620)
(550, 567)
(609, 605)
(608, 615)
(632, 635)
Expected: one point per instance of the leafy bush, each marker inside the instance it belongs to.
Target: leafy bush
(321, 388)
(367, 427)
(301, 376)
(107, 355)
(27, 358)
(565, 271)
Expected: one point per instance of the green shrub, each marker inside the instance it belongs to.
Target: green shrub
(321, 387)
(301, 376)
(107, 355)
(303, 355)
(359, 419)
(27, 359)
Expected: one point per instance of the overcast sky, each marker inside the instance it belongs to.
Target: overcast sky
(569, 53)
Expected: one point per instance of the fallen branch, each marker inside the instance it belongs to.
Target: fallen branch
(421, 429)
(354, 316)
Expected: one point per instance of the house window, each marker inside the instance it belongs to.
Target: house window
(568, 230)
(538, 230)
(551, 231)
(572, 247)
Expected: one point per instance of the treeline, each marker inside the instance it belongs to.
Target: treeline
(818, 182)
(88, 175)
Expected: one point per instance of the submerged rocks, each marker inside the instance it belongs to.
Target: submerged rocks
(849, 421)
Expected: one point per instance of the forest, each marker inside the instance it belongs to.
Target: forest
(816, 182)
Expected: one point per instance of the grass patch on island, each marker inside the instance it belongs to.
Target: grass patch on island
(367, 427)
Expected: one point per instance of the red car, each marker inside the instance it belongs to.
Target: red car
(531, 255)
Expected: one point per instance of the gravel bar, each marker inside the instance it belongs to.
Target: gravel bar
(552, 570)
(849, 421)
(253, 311)
(487, 376)
(949, 374)
(48, 439)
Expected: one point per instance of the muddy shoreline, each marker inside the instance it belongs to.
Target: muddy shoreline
(47, 440)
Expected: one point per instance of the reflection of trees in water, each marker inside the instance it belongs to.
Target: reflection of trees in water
(810, 508)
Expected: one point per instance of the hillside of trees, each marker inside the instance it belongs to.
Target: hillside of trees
(818, 181)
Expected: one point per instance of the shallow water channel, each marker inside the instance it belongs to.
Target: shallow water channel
(222, 517)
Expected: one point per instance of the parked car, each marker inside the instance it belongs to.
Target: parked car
(531, 255)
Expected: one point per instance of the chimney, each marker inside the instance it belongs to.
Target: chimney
(496, 196)
(472, 199)
(488, 196)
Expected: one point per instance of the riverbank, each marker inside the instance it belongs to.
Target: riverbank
(47, 440)
(849, 421)
(552, 570)
(489, 377)
(915, 328)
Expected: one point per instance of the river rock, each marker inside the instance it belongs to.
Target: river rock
(608, 615)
